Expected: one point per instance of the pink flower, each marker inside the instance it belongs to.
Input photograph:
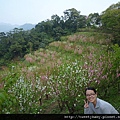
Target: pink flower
(100, 64)
(44, 78)
(92, 71)
(43, 60)
(99, 74)
(85, 66)
(29, 59)
(118, 75)
(104, 77)
(98, 81)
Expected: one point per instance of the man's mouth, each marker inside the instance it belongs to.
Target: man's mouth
(91, 100)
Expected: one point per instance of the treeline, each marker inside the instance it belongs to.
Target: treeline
(17, 43)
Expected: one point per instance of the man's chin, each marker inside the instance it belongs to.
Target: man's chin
(91, 101)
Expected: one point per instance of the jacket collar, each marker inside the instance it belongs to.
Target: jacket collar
(97, 104)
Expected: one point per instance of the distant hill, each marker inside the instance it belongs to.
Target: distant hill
(5, 27)
(27, 26)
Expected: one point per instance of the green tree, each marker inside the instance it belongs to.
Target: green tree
(93, 20)
(3, 44)
(73, 20)
(71, 16)
(56, 20)
(111, 21)
(44, 26)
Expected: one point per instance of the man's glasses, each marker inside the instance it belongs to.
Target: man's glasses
(88, 95)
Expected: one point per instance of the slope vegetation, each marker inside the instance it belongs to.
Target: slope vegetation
(52, 80)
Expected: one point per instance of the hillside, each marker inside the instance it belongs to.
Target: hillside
(18, 42)
(52, 80)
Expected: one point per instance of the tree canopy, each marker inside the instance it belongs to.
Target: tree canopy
(111, 21)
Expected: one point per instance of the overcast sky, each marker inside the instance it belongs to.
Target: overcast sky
(34, 11)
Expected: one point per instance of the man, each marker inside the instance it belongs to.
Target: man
(94, 105)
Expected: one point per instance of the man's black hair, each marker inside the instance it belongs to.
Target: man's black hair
(90, 88)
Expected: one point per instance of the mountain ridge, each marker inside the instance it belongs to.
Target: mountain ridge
(6, 27)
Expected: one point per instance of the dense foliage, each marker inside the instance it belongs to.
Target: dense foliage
(110, 21)
(17, 43)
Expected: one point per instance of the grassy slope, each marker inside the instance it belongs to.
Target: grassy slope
(69, 48)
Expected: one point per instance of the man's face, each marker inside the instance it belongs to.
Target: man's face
(91, 96)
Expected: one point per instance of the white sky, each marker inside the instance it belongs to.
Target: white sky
(34, 11)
